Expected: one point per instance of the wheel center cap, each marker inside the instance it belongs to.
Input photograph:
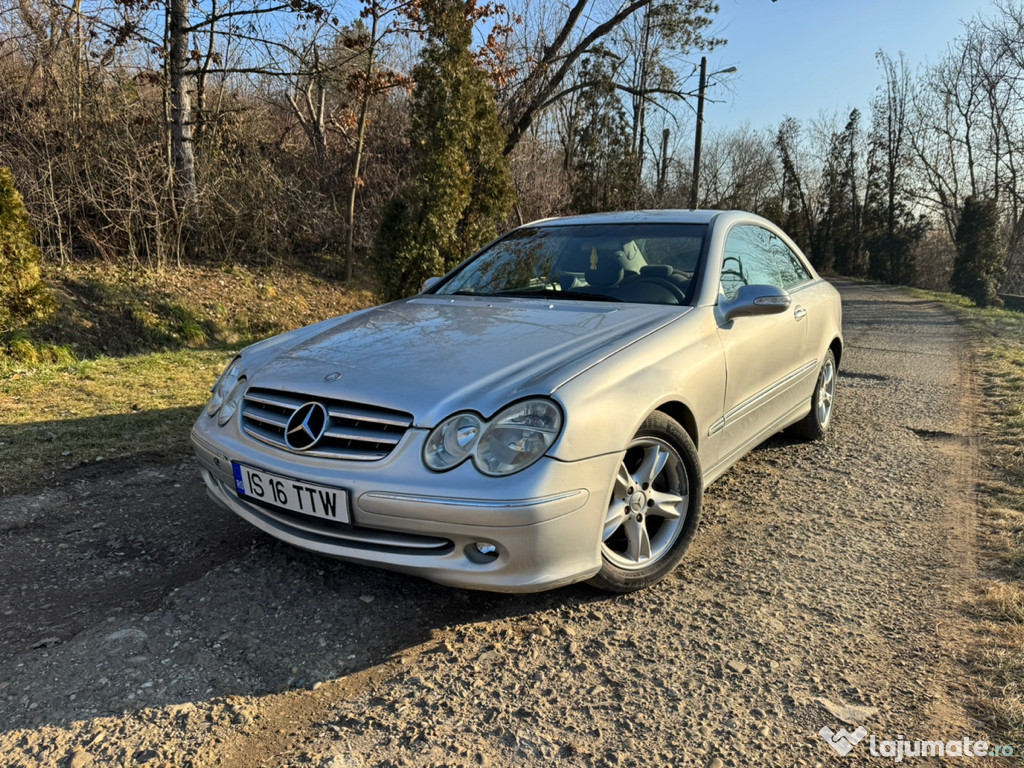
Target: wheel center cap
(637, 502)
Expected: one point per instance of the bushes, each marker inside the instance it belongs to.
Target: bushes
(24, 298)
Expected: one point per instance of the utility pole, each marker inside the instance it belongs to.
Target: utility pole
(663, 165)
(700, 129)
(700, 125)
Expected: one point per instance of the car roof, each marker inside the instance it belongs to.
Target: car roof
(669, 216)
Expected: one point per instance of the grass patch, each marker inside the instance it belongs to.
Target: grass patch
(1006, 603)
(1000, 657)
(103, 310)
(125, 365)
(1002, 663)
(56, 417)
(990, 321)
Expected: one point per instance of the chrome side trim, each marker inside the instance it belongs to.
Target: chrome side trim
(768, 393)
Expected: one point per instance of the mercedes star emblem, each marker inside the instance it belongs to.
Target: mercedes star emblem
(306, 426)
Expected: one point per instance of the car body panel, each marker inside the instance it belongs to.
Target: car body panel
(768, 359)
(681, 363)
(396, 500)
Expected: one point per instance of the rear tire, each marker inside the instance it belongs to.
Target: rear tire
(654, 507)
(815, 424)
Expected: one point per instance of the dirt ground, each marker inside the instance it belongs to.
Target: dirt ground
(827, 587)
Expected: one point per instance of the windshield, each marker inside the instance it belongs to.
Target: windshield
(642, 263)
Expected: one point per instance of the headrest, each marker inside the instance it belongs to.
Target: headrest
(604, 267)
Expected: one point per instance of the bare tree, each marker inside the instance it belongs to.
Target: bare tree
(552, 56)
(372, 81)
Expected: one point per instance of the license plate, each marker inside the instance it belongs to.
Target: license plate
(292, 495)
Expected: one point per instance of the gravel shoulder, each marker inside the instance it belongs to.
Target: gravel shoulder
(829, 585)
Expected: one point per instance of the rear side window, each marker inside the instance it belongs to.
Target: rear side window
(755, 256)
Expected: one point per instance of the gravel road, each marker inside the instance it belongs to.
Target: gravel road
(827, 587)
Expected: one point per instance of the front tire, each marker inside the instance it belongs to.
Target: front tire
(815, 424)
(654, 507)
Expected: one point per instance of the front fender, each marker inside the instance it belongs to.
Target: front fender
(680, 365)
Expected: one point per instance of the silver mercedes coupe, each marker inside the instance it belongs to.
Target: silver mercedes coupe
(551, 411)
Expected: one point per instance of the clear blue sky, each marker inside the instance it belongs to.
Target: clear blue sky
(802, 57)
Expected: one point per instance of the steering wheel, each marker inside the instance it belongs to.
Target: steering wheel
(661, 282)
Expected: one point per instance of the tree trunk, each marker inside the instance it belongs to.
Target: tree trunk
(202, 117)
(640, 101)
(360, 143)
(186, 201)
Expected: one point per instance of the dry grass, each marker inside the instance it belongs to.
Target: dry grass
(106, 310)
(129, 362)
(1000, 657)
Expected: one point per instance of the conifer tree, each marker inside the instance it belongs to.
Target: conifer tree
(605, 169)
(980, 257)
(461, 192)
(23, 296)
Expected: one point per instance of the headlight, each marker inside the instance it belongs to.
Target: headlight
(452, 441)
(227, 410)
(225, 384)
(511, 441)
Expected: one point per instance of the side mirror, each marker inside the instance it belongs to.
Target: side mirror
(756, 300)
(429, 283)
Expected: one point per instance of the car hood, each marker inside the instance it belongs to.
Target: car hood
(432, 355)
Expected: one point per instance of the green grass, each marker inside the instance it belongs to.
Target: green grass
(1000, 362)
(54, 417)
(989, 321)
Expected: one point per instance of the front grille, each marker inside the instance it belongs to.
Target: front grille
(354, 432)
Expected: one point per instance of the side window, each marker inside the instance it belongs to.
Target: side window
(755, 256)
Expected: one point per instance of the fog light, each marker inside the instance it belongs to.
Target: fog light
(481, 553)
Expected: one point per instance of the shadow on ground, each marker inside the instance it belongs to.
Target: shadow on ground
(124, 589)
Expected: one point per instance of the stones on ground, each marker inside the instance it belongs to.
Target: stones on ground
(851, 714)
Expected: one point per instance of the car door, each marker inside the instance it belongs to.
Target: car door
(768, 357)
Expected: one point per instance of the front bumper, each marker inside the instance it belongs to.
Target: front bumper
(545, 522)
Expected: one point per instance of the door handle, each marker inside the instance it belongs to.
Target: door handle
(799, 313)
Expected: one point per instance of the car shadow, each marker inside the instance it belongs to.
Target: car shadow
(124, 588)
